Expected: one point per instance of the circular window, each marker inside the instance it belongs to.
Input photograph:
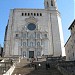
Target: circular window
(31, 26)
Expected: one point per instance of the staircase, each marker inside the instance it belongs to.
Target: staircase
(22, 62)
(26, 69)
(32, 71)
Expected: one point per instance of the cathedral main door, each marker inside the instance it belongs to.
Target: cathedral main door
(31, 54)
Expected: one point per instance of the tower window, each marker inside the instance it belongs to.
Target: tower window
(22, 14)
(25, 14)
(45, 35)
(40, 14)
(24, 35)
(16, 35)
(37, 14)
(28, 14)
(34, 14)
(51, 2)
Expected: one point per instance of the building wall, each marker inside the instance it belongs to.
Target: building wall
(48, 26)
(70, 45)
(69, 49)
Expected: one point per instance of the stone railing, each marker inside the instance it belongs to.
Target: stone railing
(10, 71)
(64, 71)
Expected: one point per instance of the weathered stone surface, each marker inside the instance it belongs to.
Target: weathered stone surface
(46, 39)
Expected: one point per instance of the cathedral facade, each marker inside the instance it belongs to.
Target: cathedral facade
(34, 32)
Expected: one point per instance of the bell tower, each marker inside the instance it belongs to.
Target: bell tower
(50, 4)
(55, 27)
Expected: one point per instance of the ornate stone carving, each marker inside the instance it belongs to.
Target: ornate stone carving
(31, 19)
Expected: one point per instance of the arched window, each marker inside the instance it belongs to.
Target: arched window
(38, 53)
(38, 43)
(51, 2)
(73, 54)
(31, 44)
(25, 14)
(24, 35)
(22, 14)
(31, 36)
(37, 14)
(17, 35)
(47, 4)
(45, 35)
(34, 14)
(24, 54)
(28, 14)
(24, 43)
(40, 14)
(38, 35)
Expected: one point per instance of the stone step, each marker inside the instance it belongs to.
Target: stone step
(32, 71)
(22, 63)
(23, 69)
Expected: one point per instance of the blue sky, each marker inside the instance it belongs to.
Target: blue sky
(65, 7)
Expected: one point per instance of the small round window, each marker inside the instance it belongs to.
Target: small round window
(31, 26)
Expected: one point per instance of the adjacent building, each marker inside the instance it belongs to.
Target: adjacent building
(70, 44)
(34, 32)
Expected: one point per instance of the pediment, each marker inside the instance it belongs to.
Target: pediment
(31, 20)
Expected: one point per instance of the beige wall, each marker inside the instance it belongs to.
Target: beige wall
(70, 46)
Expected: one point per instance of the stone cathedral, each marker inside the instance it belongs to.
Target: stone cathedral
(34, 32)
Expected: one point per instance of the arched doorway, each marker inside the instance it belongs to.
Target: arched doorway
(31, 54)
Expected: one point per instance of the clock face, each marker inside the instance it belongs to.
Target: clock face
(31, 26)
